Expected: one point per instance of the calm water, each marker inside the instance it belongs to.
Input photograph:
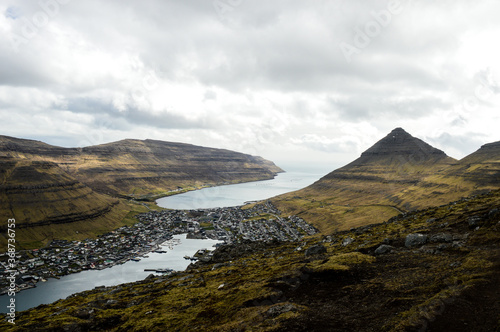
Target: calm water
(238, 194)
(53, 289)
(223, 196)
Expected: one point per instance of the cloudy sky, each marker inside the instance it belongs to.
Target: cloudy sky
(294, 81)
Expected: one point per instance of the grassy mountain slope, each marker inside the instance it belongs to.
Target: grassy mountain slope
(47, 202)
(449, 281)
(385, 180)
(73, 193)
(481, 167)
(144, 168)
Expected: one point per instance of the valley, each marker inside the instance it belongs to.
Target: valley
(413, 272)
(404, 238)
(231, 225)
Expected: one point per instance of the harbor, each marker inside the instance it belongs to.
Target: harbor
(54, 289)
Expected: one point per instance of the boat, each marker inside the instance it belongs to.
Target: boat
(187, 257)
(159, 251)
(135, 259)
(163, 270)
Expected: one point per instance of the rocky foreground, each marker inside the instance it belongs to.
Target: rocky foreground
(436, 269)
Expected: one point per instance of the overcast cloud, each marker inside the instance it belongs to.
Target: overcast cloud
(292, 81)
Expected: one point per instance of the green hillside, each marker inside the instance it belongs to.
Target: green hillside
(399, 173)
(436, 269)
(144, 168)
(74, 193)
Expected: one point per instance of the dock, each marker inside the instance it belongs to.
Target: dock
(158, 270)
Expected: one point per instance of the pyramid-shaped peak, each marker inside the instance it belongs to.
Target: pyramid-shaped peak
(400, 143)
(399, 131)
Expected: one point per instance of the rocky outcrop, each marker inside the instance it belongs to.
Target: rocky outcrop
(415, 240)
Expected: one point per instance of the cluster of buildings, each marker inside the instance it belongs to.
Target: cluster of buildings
(63, 257)
(262, 222)
(259, 223)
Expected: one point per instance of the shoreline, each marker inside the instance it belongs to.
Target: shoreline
(154, 197)
(87, 282)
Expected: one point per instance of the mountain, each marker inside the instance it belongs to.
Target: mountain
(432, 270)
(47, 203)
(370, 188)
(400, 148)
(481, 168)
(397, 174)
(74, 193)
(144, 167)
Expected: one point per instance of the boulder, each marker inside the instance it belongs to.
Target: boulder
(347, 241)
(279, 309)
(441, 237)
(315, 250)
(474, 221)
(415, 239)
(383, 249)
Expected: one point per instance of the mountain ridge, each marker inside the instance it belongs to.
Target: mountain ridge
(133, 167)
(398, 173)
(75, 193)
(400, 142)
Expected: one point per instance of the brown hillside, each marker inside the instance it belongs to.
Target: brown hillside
(149, 167)
(397, 174)
(46, 202)
(56, 192)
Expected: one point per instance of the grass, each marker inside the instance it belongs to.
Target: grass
(367, 194)
(347, 286)
(120, 215)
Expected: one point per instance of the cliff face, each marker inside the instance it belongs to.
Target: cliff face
(135, 167)
(39, 193)
(48, 203)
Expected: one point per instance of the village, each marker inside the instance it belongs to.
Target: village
(260, 222)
